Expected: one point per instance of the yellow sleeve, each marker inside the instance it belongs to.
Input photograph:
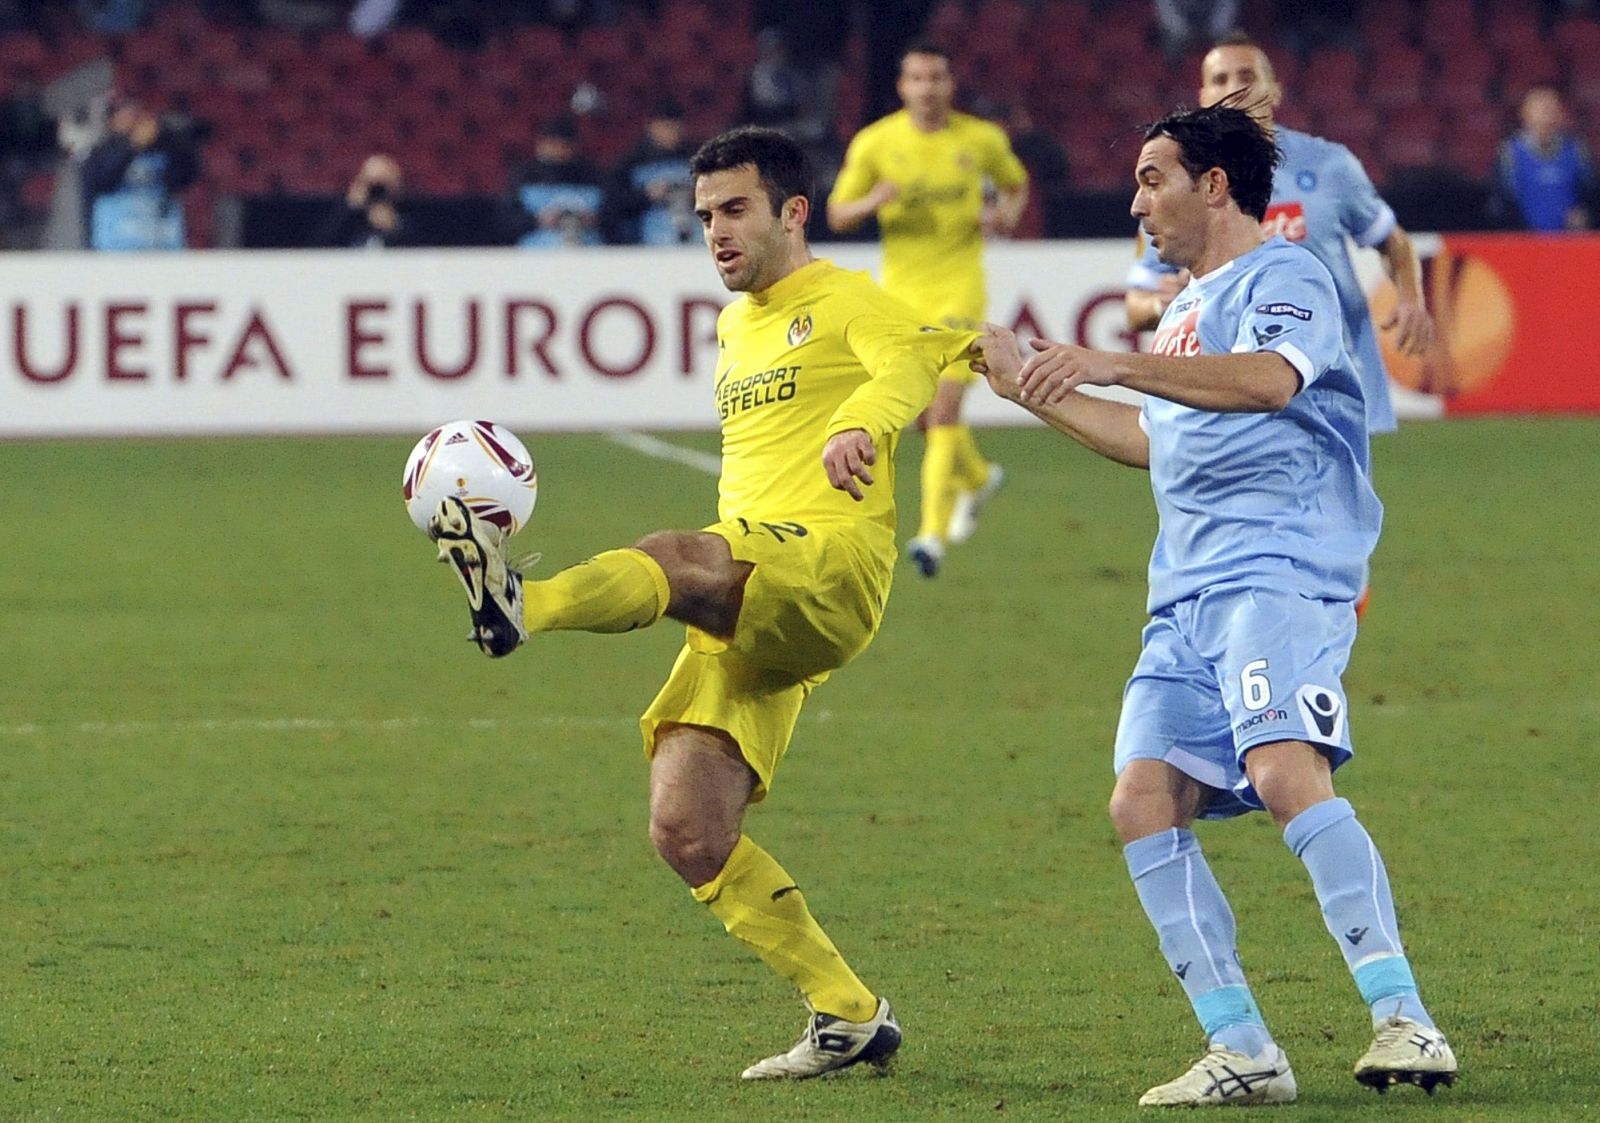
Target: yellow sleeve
(859, 173)
(903, 361)
(1004, 167)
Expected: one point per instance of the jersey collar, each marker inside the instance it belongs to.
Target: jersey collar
(785, 289)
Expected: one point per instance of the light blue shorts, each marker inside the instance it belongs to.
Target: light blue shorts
(1230, 669)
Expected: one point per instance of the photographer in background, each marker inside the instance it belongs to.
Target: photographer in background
(370, 216)
(555, 198)
(133, 177)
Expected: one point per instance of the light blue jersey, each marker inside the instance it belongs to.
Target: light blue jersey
(1267, 500)
(1320, 193)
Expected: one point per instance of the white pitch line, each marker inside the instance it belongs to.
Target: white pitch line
(663, 450)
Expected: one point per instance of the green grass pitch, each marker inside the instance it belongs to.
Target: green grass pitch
(277, 843)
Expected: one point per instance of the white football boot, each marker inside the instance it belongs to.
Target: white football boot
(1224, 1078)
(829, 1044)
(475, 549)
(969, 505)
(1405, 1051)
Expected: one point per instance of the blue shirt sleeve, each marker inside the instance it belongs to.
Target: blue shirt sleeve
(1362, 212)
(1293, 310)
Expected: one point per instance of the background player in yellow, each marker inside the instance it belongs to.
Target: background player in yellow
(923, 171)
(815, 364)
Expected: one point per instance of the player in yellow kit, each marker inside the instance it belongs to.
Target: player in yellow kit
(923, 171)
(814, 364)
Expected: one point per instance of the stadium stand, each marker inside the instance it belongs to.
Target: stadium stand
(1411, 86)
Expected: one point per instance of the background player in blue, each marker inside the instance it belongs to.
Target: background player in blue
(1320, 194)
(1253, 429)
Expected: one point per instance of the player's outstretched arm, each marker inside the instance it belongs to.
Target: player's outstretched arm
(1251, 382)
(1410, 320)
(1108, 428)
(846, 216)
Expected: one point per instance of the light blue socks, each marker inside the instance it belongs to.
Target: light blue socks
(1353, 889)
(1196, 927)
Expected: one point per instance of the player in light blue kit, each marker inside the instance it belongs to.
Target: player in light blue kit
(1254, 431)
(1320, 194)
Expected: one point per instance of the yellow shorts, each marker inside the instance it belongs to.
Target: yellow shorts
(812, 603)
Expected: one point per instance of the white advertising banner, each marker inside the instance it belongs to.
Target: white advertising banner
(402, 340)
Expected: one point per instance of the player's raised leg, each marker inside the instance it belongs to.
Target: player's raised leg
(700, 783)
(1294, 779)
(1151, 807)
(688, 575)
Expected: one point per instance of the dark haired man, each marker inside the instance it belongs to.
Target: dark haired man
(1321, 195)
(786, 588)
(1254, 431)
(922, 171)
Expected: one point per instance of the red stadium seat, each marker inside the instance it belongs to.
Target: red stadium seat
(1353, 126)
(1397, 79)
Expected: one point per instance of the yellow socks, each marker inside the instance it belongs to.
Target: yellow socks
(760, 905)
(616, 591)
(972, 470)
(939, 479)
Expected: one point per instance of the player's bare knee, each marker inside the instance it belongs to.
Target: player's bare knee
(695, 849)
(1134, 814)
(1289, 776)
(1152, 796)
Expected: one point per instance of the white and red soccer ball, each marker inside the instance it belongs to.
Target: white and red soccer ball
(478, 462)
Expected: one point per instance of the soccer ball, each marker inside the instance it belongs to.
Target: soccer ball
(478, 462)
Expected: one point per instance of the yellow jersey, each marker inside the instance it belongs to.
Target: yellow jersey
(822, 351)
(932, 245)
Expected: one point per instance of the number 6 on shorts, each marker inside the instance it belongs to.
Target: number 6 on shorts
(1253, 681)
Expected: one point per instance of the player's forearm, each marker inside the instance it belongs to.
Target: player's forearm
(1106, 427)
(1144, 308)
(845, 217)
(1009, 204)
(885, 405)
(1400, 262)
(1257, 382)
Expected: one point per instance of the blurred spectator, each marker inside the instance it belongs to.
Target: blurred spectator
(1311, 27)
(113, 17)
(370, 18)
(300, 15)
(775, 95)
(555, 197)
(27, 142)
(1185, 23)
(370, 215)
(1545, 175)
(574, 15)
(133, 179)
(651, 197)
(26, 130)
